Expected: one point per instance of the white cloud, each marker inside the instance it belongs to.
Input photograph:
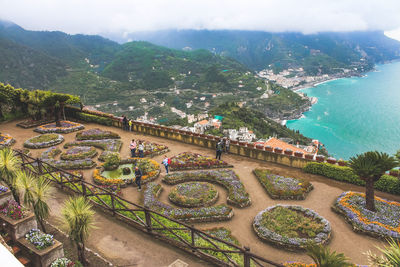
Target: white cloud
(118, 16)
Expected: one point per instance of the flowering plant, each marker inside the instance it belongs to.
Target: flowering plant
(48, 157)
(6, 140)
(108, 145)
(79, 152)
(3, 189)
(95, 134)
(384, 222)
(44, 140)
(193, 194)
(153, 149)
(281, 187)
(13, 210)
(62, 262)
(38, 239)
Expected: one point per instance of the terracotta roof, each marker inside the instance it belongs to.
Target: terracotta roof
(274, 142)
(203, 122)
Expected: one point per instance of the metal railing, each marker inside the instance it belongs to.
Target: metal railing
(182, 235)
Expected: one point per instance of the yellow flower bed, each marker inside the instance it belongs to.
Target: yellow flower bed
(102, 180)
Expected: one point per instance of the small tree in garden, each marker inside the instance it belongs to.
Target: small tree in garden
(77, 217)
(57, 102)
(370, 166)
(36, 192)
(9, 165)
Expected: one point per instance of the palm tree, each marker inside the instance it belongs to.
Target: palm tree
(36, 192)
(77, 217)
(9, 165)
(370, 166)
(42, 194)
(323, 257)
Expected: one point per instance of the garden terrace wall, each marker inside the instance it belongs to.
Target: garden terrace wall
(247, 150)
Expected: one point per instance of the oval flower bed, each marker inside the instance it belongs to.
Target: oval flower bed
(281, 187)
(38, 239)
(204, 214)
(291, 227)
(120, 176)
(192, 161)
(237, 194)
(66, 127)
(79, 152)
(6, 140)
(49, 155)
(96, 134)
(193, 194)
(44, 140)
(383, 223)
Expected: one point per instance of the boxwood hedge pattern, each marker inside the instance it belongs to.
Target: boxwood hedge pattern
(44, 140)
(237, 194)
(49, 155)
(204, 214)
(66, 127)
(281, 187)
(386, 183)
(295, 243)
(383, 223)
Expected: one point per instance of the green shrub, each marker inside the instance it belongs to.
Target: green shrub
(112, 162)
(339, 173)
(386, 183)
(93, 118)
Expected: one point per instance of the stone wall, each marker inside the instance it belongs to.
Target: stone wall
(208, 141)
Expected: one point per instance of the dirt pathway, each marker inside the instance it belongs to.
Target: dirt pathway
(124, 245)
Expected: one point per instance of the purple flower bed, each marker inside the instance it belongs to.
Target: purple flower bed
(96, 134)
(237, 194)
(206, 214)
(281, 187)
(383, 223)
(193, 194)
(79, 152)
(66, 127)
(38, 239)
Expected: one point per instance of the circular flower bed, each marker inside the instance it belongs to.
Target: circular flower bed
(79, 152)
(237, 194)
(44, 140)
(96, 134)
(193, 194)
(281, 187)
(384, 222)
(66, 127)
(6, 140)
(150, 171)
(203, 214)
(291, 227)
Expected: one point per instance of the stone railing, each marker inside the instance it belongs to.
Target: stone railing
(288, 158)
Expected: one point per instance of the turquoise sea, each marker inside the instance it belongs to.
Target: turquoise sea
(354, 115)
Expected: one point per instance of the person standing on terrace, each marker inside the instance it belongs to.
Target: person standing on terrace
(130, 125)
(124, 123)
(132, 147)
(138, 178)
(141, 149)
(219, 150)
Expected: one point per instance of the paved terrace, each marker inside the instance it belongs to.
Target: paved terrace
(126, 246)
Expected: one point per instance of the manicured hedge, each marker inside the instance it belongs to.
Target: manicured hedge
(387, 183)
(94, 118)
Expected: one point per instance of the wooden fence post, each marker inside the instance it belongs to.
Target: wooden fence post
(112, 204)
(83, 188)
(246, 257)
(193, 237)
(39, 166)
(148, 220)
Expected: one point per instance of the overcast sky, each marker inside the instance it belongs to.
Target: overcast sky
(122, 16)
